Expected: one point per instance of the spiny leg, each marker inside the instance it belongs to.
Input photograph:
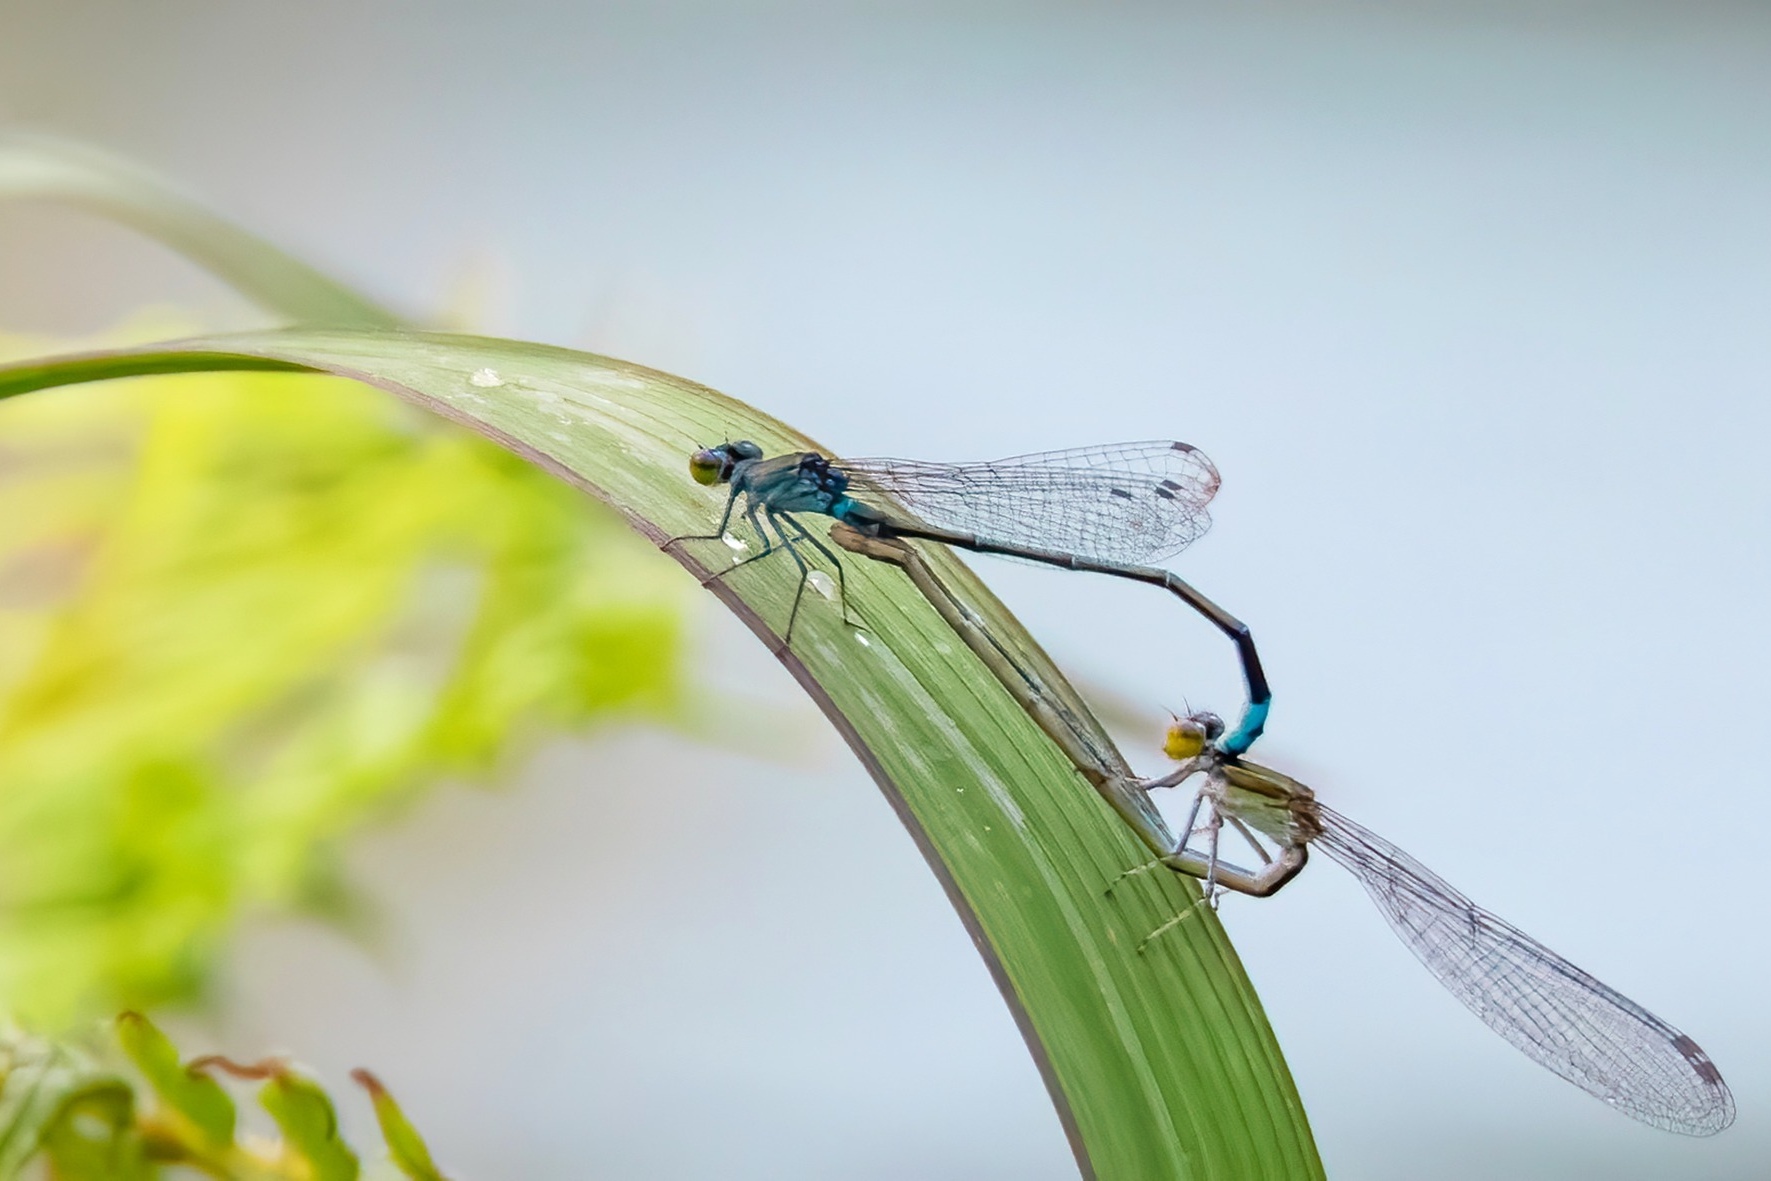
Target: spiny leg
(842, 583)
(1171, 924)
(1192, 815)
(1209, 896)
(1133, 872)
(1179, 776)
(750, 514)
(805, 573)
(1213, 827)
(768, 544)
(1186, 832)
(725, 520)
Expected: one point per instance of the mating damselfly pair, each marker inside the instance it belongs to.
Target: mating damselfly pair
(1105, 510)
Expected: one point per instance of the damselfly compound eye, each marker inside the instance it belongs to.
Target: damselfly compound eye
(710, 466)
(1185, 740)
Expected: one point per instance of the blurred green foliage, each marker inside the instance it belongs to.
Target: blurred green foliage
(240, 615)
(129, 1109)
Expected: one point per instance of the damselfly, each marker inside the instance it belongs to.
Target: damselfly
(1567, 1020)
(1103, 510)
(1560, 1016)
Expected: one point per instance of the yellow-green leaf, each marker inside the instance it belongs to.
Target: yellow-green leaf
(309, 1125)
(404, 1145)
(192, 1094)
(92, 1137)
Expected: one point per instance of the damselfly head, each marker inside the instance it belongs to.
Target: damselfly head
(1188, 737)
(714, 465)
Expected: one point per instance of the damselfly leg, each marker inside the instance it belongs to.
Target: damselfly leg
(842, 582)
(780, 533)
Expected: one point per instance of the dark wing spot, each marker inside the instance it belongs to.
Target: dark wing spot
(1700, 1062)
(1122, 493)
(1162, 491)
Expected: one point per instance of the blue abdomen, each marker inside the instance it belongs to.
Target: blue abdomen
(853, 512)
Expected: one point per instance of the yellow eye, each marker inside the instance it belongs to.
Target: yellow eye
(1185, 740)
(706, 466)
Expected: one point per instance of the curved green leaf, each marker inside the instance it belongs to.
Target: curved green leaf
(1161, 1064)
(46, 169)
(309, 1124)
(36, 1078)
(195, 1096)
(405, 1147)
(92, 1135)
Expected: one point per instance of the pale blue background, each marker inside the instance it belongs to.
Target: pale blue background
(1471, 307)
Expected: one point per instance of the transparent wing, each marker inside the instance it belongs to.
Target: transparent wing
(1585, 1031)
(1132, 503)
